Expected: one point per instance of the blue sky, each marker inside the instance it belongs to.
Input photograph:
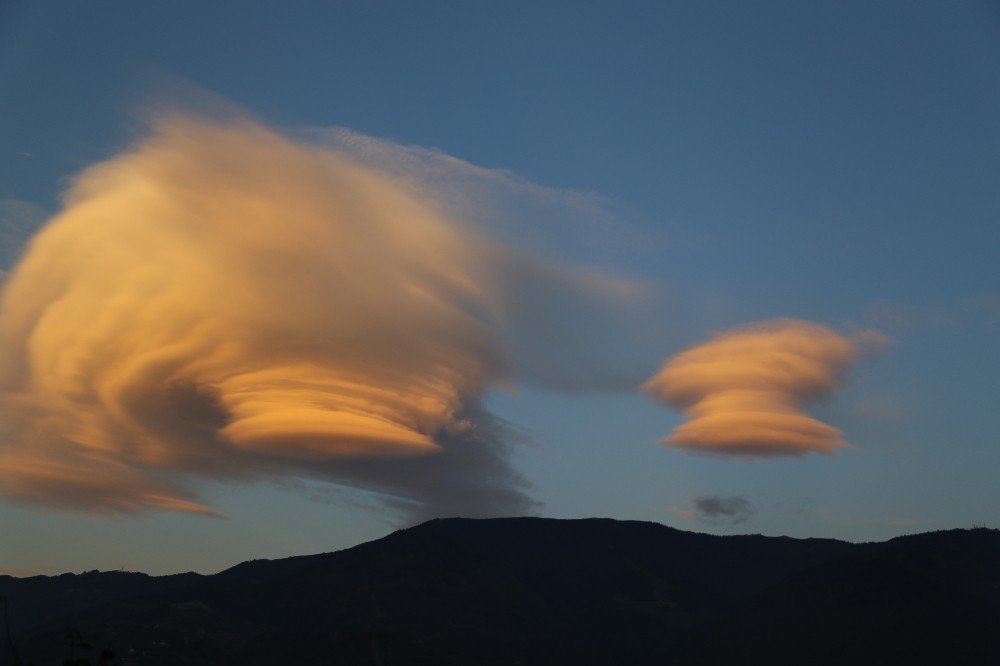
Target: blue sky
(834, 162)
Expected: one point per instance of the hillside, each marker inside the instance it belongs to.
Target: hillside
(542, 591)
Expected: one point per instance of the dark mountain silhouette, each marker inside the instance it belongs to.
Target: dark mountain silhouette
(541, 591)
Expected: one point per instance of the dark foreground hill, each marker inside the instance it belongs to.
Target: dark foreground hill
(539, 591)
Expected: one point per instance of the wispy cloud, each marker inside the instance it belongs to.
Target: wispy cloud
(557, 338)
(18, 221)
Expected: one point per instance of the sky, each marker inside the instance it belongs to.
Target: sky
(278, 280)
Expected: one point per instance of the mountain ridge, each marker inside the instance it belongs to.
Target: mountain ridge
(550, 591)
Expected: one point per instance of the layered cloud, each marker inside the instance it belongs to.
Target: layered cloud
(221, 301)
(742, 391)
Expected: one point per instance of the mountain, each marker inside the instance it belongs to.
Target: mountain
(542, 591)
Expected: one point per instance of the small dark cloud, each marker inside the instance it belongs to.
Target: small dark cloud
(729, 510)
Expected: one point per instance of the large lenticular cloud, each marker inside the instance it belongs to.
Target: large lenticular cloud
(743, 389)
(224, 302)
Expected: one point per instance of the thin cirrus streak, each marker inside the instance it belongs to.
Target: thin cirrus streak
(223, 302)
(743, 389)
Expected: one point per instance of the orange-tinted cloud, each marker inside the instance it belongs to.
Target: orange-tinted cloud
(221, 301)
(743, 389)
(681, 513)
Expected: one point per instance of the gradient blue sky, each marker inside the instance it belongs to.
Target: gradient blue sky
(837, 162)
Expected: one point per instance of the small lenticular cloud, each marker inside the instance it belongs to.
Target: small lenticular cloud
(743, 389)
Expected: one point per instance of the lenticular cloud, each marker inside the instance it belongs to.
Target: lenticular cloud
(223, 302)
(743, 389)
